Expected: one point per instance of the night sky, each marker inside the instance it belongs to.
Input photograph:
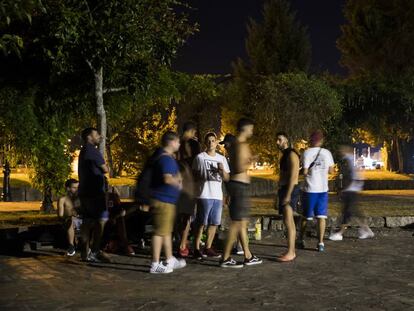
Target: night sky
(222, 33)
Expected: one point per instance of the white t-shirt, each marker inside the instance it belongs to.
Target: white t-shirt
(317, 178)
(210, 186)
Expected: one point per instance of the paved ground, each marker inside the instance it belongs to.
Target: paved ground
(373, 274)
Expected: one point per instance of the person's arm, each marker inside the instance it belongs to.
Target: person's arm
(197, 170)
(61, 207)
(172, 180)
(104, 168)
(293, 176)
(331, 164)
(306, 163)
(224, 170)
(170, 172)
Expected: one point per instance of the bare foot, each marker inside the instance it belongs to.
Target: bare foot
(286, 258)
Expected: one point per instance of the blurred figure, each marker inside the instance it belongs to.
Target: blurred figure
(317, 165)
(68, 211)
(165, 190)
(189, 149)
(227, 141)
(210, 169)
(238, 186)
(92, 193)
(289, 192)
(115, 229)
(352, 184)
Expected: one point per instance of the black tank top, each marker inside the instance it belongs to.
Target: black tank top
(284, 161)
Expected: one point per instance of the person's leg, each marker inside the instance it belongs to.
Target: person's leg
(185, 230)
(98, 230)
(157, 242)
(291, 231)
(199, 234)
(244, 239)
(86, 229)
(321, 229)
(231, 237)
(211, 233)
(71, 233)
(167, 242)
(321, 212)
(214, 220)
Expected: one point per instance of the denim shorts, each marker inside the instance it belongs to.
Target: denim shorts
(209, 212)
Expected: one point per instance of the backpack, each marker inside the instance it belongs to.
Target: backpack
(144, 181)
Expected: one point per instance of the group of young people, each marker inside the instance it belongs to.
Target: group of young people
(186, 192)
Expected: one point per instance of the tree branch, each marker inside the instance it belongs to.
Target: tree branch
(115, 89)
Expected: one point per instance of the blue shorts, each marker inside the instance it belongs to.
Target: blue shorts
(209, 212)
(315, 204)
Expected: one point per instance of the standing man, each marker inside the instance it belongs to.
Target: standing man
(240, 161)
(210, 170)
(317, 165)
(189, 149)
(352, 184)
(289, 192)
(92, 194)
(68, 210)
(165, 190)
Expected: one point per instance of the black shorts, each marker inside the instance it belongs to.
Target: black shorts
(94, 207)
(239, 206)
(294, 198)
(350, 206)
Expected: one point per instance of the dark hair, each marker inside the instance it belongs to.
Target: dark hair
(244, 122)
(282, 134)
(168, 137)
(188, 126)
(86, 132)
(210, 134)
(70, 182)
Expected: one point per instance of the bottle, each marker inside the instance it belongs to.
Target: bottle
(258, 230)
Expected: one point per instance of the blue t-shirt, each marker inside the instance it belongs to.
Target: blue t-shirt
(91, 176)
(161, 191)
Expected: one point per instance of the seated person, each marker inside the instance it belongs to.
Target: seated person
(68, 210)
(115, 230)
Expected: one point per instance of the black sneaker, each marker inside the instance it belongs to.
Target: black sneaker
(197, 254)
(230, 263)
(252, 261)
(71, 251)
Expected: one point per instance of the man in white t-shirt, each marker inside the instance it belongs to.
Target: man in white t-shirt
(210, 169)
(317, 165)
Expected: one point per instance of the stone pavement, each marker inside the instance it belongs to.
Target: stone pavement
(375, 274)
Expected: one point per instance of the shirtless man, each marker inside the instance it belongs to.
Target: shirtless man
(289, 192)
(68, 207)
(240, 160)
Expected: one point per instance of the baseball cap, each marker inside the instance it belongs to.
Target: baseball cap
(228, 139)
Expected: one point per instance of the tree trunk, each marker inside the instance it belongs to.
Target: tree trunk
(110, 161)
(396, 155)
(47, 203)
(100, 109)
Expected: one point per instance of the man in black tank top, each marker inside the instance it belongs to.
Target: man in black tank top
(289, 192)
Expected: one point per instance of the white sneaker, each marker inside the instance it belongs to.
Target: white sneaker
(365, 234)
(159, 268)
(337, 236)
(175, 263)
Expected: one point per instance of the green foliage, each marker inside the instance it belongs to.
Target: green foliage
(378, 38)
(39, 135)
(278, 44)
(294, 103)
